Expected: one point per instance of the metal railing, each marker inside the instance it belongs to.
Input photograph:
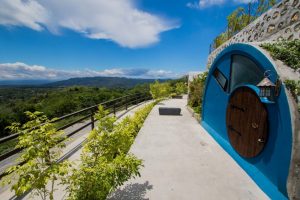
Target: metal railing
(115, 105)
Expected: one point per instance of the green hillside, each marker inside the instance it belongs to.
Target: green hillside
(109, 82)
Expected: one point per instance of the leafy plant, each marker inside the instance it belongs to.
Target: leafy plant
(237, 20)
(241, 17)
(55, 102)
(180, 88)
(196, 92)
(160, 90)
(286, 51)
(106, 163)
(52, 102)
(221, 39)
(294, 88)
(41, 143)
(263, 6)
(97, 178)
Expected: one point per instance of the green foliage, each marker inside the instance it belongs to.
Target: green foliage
(160, 90)
(241, 17)
(40, 141)
(286, 51)
(107, 82)
(54, 102)
(196, 92)
(294, 88)
(220, 39)
(263, 6)
(7, 146)
(96, 178)
(106, 163)
(180, 88)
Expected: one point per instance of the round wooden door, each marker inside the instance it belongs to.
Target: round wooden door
(247, 122)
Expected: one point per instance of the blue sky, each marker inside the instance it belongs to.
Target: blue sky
(41, 39)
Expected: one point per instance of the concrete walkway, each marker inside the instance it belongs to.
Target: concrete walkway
(182, 161)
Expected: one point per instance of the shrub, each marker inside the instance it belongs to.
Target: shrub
(106, 163)
(160, 90)
(286, 51)
(38, 137)
(196, 92)
(294, 88)
(221, 39)
(180, 88)
(289, 53)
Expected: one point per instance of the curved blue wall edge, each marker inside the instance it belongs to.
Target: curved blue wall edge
(271, 181)
(259, 178)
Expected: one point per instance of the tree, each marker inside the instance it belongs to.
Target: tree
(220, 39)
(241, 17)
(237, 20)
(263, 6)
(196, 92)
(42, 147)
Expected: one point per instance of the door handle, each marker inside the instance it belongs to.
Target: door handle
(254, 125)
(232, 129)
(261, 140)
(237, 107)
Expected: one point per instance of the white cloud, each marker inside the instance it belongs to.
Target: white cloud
(117, 20)
(161, 74)
(244, 1)
(18, 70)
(201, 4)
(207, 3)
(204, 4)
(193, 5)
(22, 13)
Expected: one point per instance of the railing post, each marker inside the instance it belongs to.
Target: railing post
(92, 120)
(141, 99)
(126, 102)
(114, 108)
(136, 99)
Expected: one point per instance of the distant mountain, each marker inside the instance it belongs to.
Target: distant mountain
(108, 82)
(23, 82)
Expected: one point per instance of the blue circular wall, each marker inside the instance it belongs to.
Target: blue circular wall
(270, 168)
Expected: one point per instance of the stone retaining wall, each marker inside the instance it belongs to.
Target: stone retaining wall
(280, 22)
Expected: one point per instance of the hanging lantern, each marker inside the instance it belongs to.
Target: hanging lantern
(266, 88)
